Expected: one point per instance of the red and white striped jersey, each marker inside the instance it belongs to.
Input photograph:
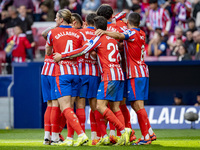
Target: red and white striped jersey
(123, 26)
(65, 39)
(158, 18)
(108, 56)
(181, 10)
(49, 66)
(87, 65)
(134, 47)
(172, 38)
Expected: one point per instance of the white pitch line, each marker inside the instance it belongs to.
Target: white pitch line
(20, 141)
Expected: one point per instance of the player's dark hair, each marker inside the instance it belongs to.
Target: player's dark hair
(134, 19)
(105, 10)
(66, 15)
(135, 7)
(90, 18)
(77, 17)
(100, 22)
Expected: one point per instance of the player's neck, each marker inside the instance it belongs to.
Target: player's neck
(65, 24)
(109, 20)
(131, 27)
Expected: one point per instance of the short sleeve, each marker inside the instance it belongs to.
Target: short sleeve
(128, 34)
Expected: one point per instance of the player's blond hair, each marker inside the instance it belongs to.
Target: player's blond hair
(66, 15)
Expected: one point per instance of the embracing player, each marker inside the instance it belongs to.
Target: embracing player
(62, 40)
(137, 73)
(106, 11)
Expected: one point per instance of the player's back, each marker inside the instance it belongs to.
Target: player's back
(134, 53)
(65, 39)
(109, 59)
(87, 33)
(122, 25)
(113, 27)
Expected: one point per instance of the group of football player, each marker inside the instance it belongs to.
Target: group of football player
(102, 62)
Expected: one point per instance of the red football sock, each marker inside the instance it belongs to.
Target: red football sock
(70, 130)
(143, 121)
(47, 119)
(93, 123)
(112, 127)
(100, 122)
(80, 112)
(119, 116)
(62, 122)
(126, 115)
(55, 119)
(110, 116)
(73, 120)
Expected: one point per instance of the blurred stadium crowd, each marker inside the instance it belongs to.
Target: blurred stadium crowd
(171, 26)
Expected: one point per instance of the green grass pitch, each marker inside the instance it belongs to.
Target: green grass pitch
(32, 139)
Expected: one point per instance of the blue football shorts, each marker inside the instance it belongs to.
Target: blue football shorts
(138, 88)
(67, 85)
(48, 87)
(89, 86)
(111, 90)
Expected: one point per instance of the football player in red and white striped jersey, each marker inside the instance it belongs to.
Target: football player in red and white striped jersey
(89, 78)
(64, 39)
(137, 73)
(107, 12)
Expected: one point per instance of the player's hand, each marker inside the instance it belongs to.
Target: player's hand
(57, 57)
(99, 32)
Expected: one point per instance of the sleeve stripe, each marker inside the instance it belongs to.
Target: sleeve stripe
(84, 38)
(48, 37)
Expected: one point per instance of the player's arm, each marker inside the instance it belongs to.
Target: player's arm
(46, 31)
(48, 49)
(89, 46)
(116, 35)
(49, 44)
